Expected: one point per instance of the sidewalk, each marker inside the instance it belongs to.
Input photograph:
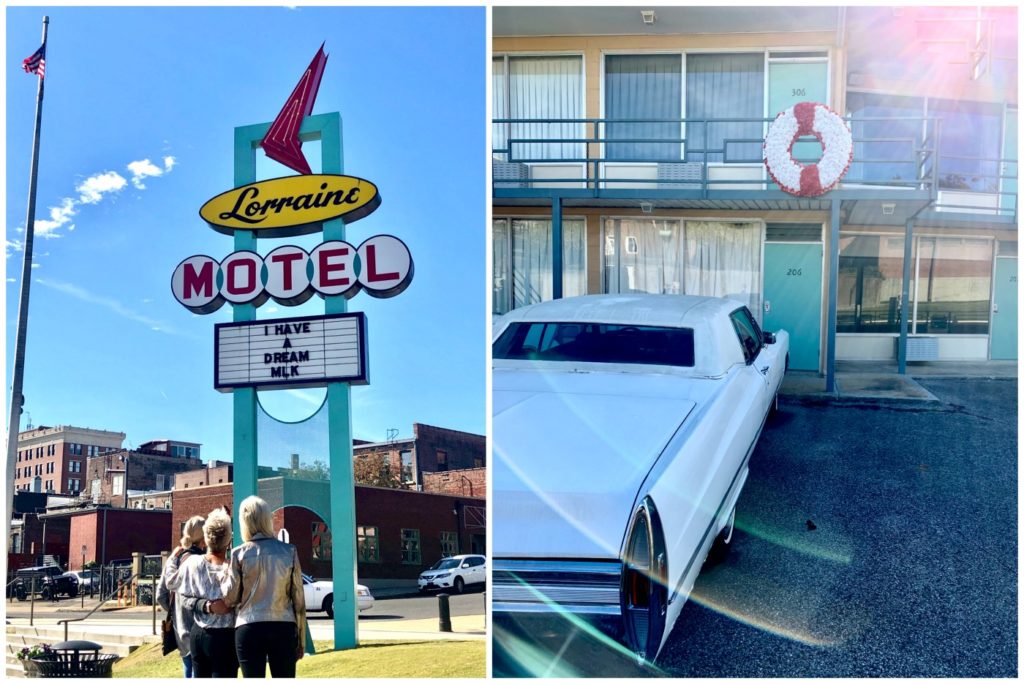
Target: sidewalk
(872, 380)
(137, 622)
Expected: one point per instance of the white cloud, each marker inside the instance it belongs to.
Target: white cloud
(93, 188)
(13, 246)
(59, 216)
(91, 191)
(113, 305)
(142, 168)
(35, 265)
(12, 280)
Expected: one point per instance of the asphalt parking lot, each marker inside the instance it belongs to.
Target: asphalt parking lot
(873, 540)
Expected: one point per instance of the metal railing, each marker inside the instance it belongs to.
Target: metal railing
(696, 157)
(133, 585)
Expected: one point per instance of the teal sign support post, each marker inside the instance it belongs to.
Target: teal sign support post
(341, 517)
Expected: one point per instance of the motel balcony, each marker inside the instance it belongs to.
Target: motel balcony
(901, 171)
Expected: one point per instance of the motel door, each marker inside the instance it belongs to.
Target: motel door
(1004, 310)
(792, 289)
(793, 79)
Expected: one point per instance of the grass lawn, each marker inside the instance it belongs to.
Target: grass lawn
(371, 659)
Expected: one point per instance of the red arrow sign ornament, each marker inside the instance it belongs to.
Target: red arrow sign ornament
(282, 140)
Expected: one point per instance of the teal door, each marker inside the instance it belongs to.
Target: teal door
(792, 298)
(793, 82)
(1004, 314)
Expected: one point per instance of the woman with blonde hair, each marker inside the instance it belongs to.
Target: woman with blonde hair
(265, 589)
(191, 543)
(202, 578)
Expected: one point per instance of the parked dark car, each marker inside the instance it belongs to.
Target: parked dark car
(50, 582)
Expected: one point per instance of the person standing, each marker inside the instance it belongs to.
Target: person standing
(202, 579)
(191, 543)
(265, 590)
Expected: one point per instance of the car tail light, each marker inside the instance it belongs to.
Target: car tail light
(644, 577)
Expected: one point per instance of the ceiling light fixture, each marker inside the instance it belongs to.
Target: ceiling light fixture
(648, 16)
(888, 208)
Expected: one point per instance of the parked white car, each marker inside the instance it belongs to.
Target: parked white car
(623, 426)
(319, 595)
(454, 572)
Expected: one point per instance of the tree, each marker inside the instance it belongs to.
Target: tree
(317, 470)
(375, 470)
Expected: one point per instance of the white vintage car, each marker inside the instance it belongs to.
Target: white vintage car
(623, 426)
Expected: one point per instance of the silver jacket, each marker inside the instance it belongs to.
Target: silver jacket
(265, 584)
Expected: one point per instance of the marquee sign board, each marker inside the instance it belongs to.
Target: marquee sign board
(381, 266)
(282, 353)
(292, 205)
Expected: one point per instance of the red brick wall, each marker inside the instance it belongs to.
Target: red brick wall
(200, 501)
(390, 510)
(127, 531)
(464, 450)
(142, 469)
(56, 537)
(468, 482)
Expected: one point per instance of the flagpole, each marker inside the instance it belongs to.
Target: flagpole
(17, 375)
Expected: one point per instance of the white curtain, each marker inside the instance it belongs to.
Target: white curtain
(724, 260)
(499, 105)
(650, 256)
(501, 266)
(546, 88)
(531, 279)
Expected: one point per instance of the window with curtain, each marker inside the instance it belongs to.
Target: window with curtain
(709, 258)
(538, 88)
(643, 255)
(870, 283)
(953, 286)
(888, 146)
(522, 261)
(724, 260)
(643, 87)
(969, 131)
(724, 87)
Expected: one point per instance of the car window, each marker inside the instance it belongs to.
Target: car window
(747, 332)
(597, 343)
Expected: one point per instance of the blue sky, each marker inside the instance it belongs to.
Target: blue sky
(137, 133)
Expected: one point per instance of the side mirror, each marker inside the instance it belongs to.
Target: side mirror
(769, 338)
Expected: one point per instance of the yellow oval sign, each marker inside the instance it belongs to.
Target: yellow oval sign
(292, 205)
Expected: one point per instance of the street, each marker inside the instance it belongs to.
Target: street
(872, 539)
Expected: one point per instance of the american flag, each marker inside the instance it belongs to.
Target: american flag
(36, 64)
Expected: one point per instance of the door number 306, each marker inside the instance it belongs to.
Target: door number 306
(795, 272)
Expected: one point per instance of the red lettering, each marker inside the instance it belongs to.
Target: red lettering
(371, 267)
(233, 287)
(194, 282)
(326, 268)
(286, 261)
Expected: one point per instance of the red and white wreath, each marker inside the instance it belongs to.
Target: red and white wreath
(808, 180)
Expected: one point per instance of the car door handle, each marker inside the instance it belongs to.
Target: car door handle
(764, 371)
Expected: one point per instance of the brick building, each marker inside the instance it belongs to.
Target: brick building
(31, 538)
(465, 482)
(215, 472)
(107, 534)
(430, 449)
(400, 533)
(112, 475)
(52, 459)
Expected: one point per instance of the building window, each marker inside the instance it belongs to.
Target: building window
(668, 256)
(523, 261)
(411, 547)
(729, 86)
(368, 545)
(538, 88)
(74, 466)
(449, 544)
(952, 286)
(643, 87)
(74, 485)
(39, 469)
(406, 458)
(321, 542)
(870, 283)
(117, 487)
(442, 459)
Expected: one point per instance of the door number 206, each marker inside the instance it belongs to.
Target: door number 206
(795, 272)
